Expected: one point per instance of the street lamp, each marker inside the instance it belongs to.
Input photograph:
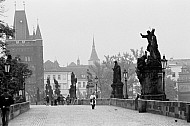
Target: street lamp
(96, 81)
(74, 84)
(7, 69)
(164, 64)
(125, 74)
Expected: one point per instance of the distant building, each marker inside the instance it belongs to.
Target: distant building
(63, 76)
(177, 67)
(53, 71)
(81, 75)
(184, 84)
(30, 50)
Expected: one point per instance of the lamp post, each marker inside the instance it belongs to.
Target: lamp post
(125, 74)
(164, 64)
(24, 88)
(7, 70)
(74, 84)
(96, 81)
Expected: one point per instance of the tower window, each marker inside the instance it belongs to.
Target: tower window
(83, 84)
(26, 59)
(53, 76)
(59, 77)
(48, 76)
(64, 77)
(79, 84)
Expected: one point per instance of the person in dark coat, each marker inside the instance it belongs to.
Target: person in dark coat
(6, 100)
(47, 100)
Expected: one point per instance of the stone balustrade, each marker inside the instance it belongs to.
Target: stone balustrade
(17, 109)
(176, 109)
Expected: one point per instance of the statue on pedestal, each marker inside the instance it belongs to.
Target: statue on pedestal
(149, 69)
(117, 85)
(117, 73)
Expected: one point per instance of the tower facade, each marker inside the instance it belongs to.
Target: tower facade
(30, 50)
(93, 57)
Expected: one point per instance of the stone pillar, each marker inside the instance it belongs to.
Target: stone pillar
(113, 93)
(119, 90)
(188, 112)
(142, 104)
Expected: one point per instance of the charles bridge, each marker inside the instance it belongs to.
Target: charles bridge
(119, 111)
(150, 108)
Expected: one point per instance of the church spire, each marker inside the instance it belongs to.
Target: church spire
(78, 61)
(94, 57)
(93, 46)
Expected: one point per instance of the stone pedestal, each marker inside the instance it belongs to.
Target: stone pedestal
(152, 84)
(117, 91)
(161, 97)
(142, 104)
(188, 112)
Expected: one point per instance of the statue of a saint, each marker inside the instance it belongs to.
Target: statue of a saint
(89, 76)
(117, 73)
(149, 38)
(72, 78)
(152, 44)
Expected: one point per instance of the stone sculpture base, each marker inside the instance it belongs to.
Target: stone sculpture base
(117, 91)
(161, 97)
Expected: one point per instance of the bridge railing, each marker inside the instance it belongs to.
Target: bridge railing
(176, 109)
(17, 109)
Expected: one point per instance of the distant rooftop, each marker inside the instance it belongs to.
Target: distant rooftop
(179, 62)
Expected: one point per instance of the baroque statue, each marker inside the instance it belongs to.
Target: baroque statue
(149, 68)
(117, 86)
(116, 73)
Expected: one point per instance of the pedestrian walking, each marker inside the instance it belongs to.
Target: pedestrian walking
(52, 100)
(47, 100)
(93, 100)
(55, 99)
(68, 100)
(6, 100)
(61, 99)
(58, 99)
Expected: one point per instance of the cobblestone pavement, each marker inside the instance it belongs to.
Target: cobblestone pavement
(83, 115)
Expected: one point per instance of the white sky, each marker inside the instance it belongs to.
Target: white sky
(68, 26)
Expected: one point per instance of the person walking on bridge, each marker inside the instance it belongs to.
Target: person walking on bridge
(6, 100)
(93, 100)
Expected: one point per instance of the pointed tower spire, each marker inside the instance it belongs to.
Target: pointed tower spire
(78, 61)
(24, 4)
(38, 33)
(94, 57)
(34, 35)
(93, 46)
(15, 5)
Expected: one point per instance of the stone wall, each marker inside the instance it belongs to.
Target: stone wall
(176, 109)
(17, 109)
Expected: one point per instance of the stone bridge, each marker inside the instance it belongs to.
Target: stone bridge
(108, 112)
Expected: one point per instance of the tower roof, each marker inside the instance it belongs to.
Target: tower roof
(21, 25)
(38, 33)
(94, 56)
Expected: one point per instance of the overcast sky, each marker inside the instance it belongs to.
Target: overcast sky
(68, 26)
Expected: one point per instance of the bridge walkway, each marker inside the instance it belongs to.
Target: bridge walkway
(83, 115)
